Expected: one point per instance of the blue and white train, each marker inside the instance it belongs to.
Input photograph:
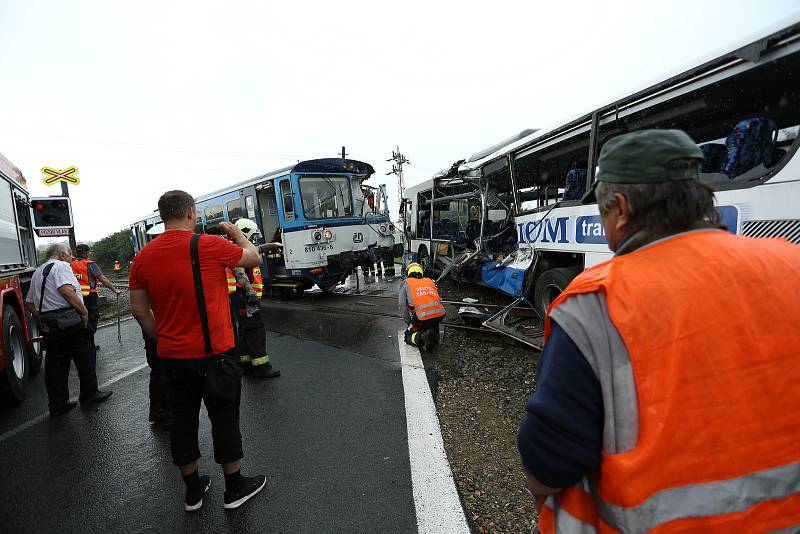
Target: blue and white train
(327, 218)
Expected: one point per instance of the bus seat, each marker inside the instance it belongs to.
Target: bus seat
(437, 229)
(714, 155)
(576, 184)
(751, 143)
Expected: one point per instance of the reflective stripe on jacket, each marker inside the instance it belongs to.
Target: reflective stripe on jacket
(81, 269)
(256, 281)
(231, 281)
(694, 340)
(423, 299)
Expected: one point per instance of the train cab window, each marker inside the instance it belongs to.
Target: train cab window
(214, 215)
(326, 197)
(235, 211)
(288, 200)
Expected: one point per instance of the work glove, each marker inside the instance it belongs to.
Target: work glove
(252, 300)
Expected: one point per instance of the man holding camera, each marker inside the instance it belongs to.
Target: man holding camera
(164, 298)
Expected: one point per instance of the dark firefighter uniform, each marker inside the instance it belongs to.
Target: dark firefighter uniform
(252, 336)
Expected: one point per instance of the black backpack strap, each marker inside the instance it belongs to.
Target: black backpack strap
(45, 274)
(198, 291)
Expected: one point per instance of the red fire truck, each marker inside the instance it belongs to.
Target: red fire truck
(21, 348)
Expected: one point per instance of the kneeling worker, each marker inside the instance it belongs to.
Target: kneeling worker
(252, 336)
(422, 309)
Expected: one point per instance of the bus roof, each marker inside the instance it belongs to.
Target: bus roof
(748, 49)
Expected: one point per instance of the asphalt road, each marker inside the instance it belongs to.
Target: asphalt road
(330, 434)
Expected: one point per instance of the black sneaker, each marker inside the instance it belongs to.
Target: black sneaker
(250, 487)
(194, 499)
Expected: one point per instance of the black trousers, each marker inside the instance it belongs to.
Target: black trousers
(92, 304)
(182, 381)
(150, 350)
(70, 344)
(428, 330)
(252, 336)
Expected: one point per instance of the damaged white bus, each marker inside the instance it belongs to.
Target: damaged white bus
(511, 218)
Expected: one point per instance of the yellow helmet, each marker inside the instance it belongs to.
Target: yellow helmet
(414, 268)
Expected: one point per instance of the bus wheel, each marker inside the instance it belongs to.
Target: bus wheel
(550, 285)
(15, 375)
(35, 350)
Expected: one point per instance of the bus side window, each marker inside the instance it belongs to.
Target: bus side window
(288, 203)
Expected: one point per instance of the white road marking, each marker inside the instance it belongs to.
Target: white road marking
(436, 499)
(41, 417)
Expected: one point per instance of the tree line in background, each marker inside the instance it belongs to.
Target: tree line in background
(113, 248)
(107, 251)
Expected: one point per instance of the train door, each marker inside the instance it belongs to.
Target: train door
(268, 207)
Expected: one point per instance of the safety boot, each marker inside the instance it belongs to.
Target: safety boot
(262, 368)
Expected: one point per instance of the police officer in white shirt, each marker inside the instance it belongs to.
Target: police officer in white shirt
(62, 291)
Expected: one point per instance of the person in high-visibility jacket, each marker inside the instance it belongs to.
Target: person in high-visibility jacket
(421, 308)
(252, 335)
(667, 391)
(88, 273)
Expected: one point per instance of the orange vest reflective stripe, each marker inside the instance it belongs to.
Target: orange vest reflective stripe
(81, 270)
(256, 281)
(231, 280)
(711, 324)
(425, 298)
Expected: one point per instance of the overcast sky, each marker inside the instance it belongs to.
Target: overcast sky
(149, 96)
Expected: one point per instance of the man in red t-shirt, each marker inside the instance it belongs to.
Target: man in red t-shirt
(164, 302)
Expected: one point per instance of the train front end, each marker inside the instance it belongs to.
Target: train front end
(333, 222)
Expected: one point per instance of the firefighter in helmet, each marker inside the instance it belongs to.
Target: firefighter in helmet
(252, 336)
(421, 308)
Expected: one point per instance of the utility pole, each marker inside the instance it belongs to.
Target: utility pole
(344, 154)
(398, 160)
(72, 243)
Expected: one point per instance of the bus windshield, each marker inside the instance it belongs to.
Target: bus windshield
(326, 197)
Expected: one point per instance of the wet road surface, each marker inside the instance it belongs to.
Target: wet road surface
(330, 434)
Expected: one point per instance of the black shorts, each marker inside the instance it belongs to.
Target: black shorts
(182, 381)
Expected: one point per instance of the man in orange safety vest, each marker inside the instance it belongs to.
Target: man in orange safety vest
(667, 390)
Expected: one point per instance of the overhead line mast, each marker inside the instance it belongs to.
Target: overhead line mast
(399, 160)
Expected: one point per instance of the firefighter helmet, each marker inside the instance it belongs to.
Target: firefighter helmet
(414, 268)
(248, 228)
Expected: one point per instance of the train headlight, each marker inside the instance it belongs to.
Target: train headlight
(317, 235)
(391, 228)
(327, 234)
(383, 228)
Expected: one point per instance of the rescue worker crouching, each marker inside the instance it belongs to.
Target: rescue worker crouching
(421, 308)
(251, 336)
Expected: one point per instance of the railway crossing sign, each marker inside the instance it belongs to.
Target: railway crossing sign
(68, 176)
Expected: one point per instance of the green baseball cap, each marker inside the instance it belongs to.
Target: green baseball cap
(647, 157)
